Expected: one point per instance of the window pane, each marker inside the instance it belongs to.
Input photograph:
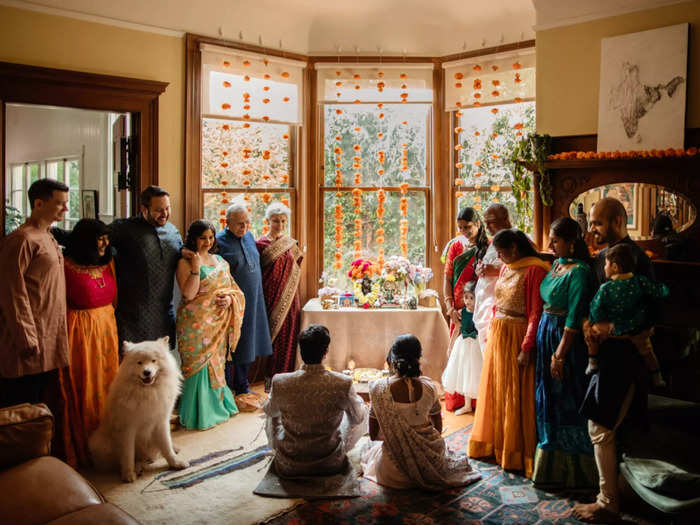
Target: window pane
(416, 230)
(17, 177)
(486, 138)
(227, 97)
(16, 199)
(73, 204)
(74, 173)
(234, 155)
(33, 173)
(362, 131)
(480, 200)
(215, 205)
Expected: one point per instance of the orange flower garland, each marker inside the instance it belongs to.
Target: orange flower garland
(357, 203)
(403, 223)
(633, 154)
(381, 199)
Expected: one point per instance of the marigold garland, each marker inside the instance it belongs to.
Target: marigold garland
(381, 199)
(403, 223)
(357, 203)
(632, 154)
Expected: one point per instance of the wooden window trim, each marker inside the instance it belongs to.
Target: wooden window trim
(440, 205)
(58, 87)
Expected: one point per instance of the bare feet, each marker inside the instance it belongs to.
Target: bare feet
(594, 513)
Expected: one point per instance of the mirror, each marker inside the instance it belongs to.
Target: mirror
(81, 148)
(650, 208)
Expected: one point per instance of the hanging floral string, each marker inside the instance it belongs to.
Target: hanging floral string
(357, 204)
(339, 215)
(403, 223)
(381, 199)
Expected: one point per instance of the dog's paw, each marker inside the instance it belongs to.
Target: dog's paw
(179, 464)
(129, 477)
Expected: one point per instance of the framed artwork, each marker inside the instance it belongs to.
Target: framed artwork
(89, 204)
(626, 193)
(643, 78)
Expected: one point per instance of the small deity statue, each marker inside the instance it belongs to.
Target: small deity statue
(366, 285)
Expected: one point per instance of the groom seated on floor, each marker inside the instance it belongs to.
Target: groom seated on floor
(314, 416)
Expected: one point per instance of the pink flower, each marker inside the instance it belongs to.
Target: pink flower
(365, 306)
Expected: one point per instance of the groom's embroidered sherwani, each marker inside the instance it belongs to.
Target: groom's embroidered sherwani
(314, 416)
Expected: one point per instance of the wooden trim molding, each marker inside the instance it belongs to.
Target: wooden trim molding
(569, 178)
(58, 87)
(488, 51)
(193, 128)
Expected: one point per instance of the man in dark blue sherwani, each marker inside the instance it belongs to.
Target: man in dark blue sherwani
(237, 246)
(148, 247)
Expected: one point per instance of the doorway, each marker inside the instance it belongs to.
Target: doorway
(87, 150)
(41, 108)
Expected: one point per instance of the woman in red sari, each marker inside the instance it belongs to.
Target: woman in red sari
(92, 336)
(280, 260)
(462, 255)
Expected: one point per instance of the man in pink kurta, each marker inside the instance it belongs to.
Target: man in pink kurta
(33, 338)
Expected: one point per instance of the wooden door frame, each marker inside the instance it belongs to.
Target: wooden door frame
(26, 84)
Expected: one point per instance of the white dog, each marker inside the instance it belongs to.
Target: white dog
(136, 419)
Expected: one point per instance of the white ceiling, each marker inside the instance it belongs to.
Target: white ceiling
(323, 27)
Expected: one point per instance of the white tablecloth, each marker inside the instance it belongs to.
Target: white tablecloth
(365, 336)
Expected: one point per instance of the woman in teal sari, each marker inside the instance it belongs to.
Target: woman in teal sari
(462, 255)
(564, 455)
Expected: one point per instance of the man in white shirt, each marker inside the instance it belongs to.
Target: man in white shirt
(496, 219)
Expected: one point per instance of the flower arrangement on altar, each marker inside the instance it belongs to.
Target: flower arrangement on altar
(360, 268)
(421, 276)
(367, 292)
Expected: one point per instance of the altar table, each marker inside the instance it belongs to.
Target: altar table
(365, 336)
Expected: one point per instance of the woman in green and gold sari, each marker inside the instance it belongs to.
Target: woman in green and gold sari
(208, 328)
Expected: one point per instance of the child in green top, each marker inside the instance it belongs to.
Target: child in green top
(624, 302)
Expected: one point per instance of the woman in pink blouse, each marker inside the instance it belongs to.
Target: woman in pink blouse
(92, 335)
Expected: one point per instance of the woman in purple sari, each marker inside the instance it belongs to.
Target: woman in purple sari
(280, 260)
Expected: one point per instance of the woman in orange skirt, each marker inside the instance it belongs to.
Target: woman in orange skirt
(92, 336)
(504, 423)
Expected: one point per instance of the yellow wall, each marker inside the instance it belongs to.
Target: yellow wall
(38, 39)
(568, 67)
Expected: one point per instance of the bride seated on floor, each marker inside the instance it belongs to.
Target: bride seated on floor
(405, 425)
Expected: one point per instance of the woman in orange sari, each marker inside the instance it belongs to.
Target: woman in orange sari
(92, 336)
(280, 260)
(504, 423)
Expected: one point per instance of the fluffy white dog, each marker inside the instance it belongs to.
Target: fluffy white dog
(136, 419)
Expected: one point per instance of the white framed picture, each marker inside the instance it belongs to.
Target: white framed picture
(643, 78)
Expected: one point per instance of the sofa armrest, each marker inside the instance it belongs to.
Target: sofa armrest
(25, 433)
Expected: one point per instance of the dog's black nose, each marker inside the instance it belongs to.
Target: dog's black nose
(146, 373)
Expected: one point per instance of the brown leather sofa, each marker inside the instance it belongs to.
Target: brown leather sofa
(38, 488)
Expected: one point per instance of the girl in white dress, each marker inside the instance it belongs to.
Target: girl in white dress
(463, 369)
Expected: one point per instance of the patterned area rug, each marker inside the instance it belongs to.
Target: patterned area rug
(480, 503)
